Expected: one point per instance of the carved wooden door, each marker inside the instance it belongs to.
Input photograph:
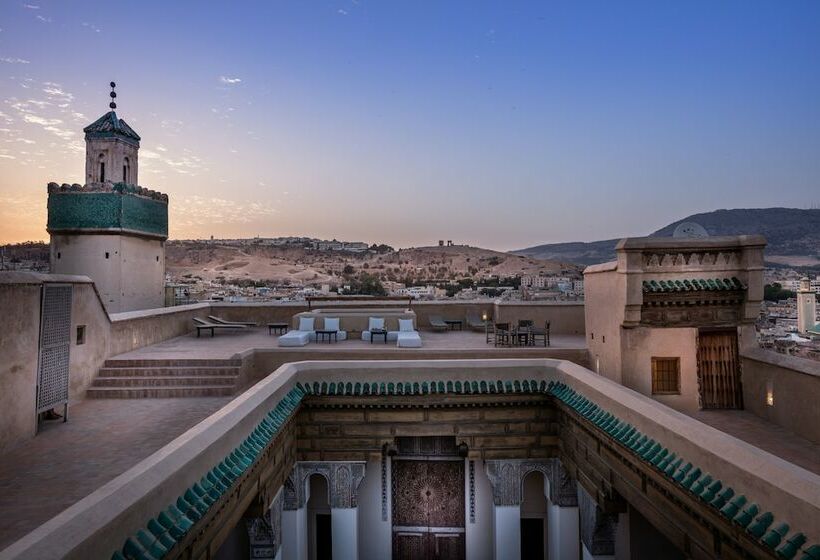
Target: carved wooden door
(428, 510)
(719, 370)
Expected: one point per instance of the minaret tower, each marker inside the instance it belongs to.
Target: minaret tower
(111, 229)
(806, 306)
(111, 148)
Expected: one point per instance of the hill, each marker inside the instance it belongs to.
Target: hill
(283, 265)
(793, 236)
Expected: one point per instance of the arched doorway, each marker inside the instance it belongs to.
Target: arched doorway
(533, 517)
(320, 544)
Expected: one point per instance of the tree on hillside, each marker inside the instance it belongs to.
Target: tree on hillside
(775, 292)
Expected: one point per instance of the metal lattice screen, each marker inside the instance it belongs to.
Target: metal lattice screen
(55, 346)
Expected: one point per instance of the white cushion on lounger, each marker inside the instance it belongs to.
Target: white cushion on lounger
(408, 340)
(306, 324)
(406, 325)
(295, 338)
(375, 323)
(331, 324)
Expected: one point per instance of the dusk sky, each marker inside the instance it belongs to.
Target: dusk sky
(502, 125)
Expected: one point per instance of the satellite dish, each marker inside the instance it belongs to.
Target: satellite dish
(690, 230)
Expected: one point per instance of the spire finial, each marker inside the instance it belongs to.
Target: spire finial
(113, 95)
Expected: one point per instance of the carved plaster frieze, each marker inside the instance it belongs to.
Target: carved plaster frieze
(597, 528)
(343, 479)
(507, 477)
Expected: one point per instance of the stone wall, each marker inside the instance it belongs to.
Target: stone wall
(795, 387)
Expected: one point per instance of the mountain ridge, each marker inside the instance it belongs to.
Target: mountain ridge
(792, 234)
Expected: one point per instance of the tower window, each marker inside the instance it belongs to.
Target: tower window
(126, 170)
(106, 254)
(102, 172)
(157, 258)
(80, 334)
(58, 255)
(665, 376)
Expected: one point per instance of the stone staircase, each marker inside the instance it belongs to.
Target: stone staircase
(156, 379)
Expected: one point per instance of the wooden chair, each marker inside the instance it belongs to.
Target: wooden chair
(503, 334)
(543, 334)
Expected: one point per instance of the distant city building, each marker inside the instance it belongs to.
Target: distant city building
(806, 307)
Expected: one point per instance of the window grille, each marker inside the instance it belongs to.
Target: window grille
(665, 376)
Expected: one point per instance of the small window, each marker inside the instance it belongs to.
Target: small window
(80, 334)
(106, 254)
(58, 255)
(665, 376)
(592, 336)
(102, 172)
(603, 339)
(157, 258)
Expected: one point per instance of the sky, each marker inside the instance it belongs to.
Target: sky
(501, 125)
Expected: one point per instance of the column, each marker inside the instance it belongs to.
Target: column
(598, 529)
(563, 535)
(344, 486)
(505, 480)
(294, 518)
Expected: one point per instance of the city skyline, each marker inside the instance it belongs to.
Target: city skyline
(493, 125)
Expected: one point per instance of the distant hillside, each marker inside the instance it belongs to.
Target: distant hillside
(793, 236)
(296, 265)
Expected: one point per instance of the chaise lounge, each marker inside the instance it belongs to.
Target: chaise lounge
(437, 323)
(300, 336)
(222, 321)
(203, 325)
(406, 337)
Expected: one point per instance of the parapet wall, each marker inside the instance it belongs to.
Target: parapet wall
(107, 207)
(783, 390)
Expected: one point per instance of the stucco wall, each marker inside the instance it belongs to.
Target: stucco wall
(795, 383)
(641, 344)
(18, 367)
(132, 277)
(605, 299)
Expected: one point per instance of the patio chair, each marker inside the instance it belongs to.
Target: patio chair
(503, 334)
(203, 325)
(475, 322)
(437, 323)
(222, 321)
(543, 334)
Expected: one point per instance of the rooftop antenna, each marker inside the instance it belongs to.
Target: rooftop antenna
(113, 95)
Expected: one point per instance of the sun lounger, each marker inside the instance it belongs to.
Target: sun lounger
(438, 323)
(222, 321)
(203, 325)
(475, 322)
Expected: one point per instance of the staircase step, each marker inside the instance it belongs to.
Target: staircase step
(180, 362)
(166, 371)
(165, 381)
(159, 392)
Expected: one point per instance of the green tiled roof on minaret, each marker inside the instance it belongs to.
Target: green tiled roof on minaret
(111, 126)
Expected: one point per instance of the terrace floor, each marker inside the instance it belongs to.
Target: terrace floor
(226, 344)
(67, 461)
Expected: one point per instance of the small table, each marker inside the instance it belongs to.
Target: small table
(322, 334)
(522, 337)
(280, 328)
(378, 332)
(453, 323)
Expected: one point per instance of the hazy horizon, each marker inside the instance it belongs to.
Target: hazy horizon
(496, 125)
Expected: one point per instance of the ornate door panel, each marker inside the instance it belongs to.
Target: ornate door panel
(428, 510)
